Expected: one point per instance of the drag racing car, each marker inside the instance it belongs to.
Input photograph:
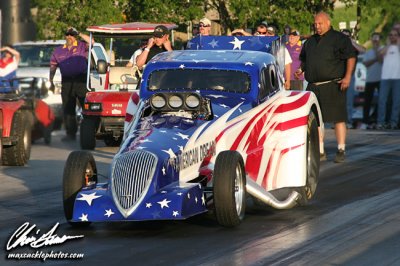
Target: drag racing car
(212, 128)
(24, 118)
(110, 82)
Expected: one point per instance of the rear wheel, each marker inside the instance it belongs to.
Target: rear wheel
(229, 185)
(88, 129)
(111, 141)
(79, 171)
(21, 130)
(47, 133)
(312, 161)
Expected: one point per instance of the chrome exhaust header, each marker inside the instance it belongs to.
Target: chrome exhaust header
(254, 189)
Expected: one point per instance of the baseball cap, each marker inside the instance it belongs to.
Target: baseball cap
(205, 22)
(294, 32)
(264, 23)
(271, 30)
(71, 32)
(160, 31)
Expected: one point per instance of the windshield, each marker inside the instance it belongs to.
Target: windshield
(200, 79)
(35, 55)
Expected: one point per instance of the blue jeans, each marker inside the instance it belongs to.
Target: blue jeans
(387, 86)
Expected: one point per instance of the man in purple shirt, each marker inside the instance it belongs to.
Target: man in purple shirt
(294, 46)
(71, 58)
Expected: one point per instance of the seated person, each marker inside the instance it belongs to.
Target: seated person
(8, 69)
(132, 60)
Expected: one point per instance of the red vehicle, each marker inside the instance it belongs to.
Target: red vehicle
(110, 82)
(24, 117)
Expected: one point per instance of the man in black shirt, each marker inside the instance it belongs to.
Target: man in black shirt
(328, 59)
(157, 44)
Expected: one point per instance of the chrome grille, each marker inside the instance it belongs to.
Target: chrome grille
(132, 173)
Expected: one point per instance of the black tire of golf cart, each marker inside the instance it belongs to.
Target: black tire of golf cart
(21, 130)
(79, 170)
(312, 162)
(47, 133)
(88, 130)
(229, 187)
(110, 141)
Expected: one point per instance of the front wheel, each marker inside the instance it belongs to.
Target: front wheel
(229, 185)
(79, 171)
(312, 161)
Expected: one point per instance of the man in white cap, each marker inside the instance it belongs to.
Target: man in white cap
(205, 27)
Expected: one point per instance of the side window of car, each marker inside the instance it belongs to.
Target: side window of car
(269, 82)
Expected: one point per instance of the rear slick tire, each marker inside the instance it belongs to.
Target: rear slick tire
(312, 162)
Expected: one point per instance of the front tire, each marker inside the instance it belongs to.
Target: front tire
(79, 171)
(312, 161)
(21, 130)
(229, 184)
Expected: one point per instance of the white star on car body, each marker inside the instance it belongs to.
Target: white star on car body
(213, 43)
(109, 213)
(182, 66)
(175, 213)
(237, 44)
(149, 205)
(249, 64)
(216, 96)
(223, 105)
(163, 170)
(84, 217)
(179, 134)
(89, 197)
(164, 203)
(170, 152)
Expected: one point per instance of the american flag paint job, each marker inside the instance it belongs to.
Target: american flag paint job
(270, 134)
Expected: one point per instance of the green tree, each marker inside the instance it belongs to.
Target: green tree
(55, 16)
(248, 13)
(172, 11)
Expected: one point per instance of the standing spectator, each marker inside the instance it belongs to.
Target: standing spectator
(261, 30)
(195, 33)
(390, 81)
(157, 44)
(71, 58)
(286, 34)
(350, 91)
(8, 68)
(294, 46)
(373, 62)
(328, 59)
(205, 27)
(268, 30)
